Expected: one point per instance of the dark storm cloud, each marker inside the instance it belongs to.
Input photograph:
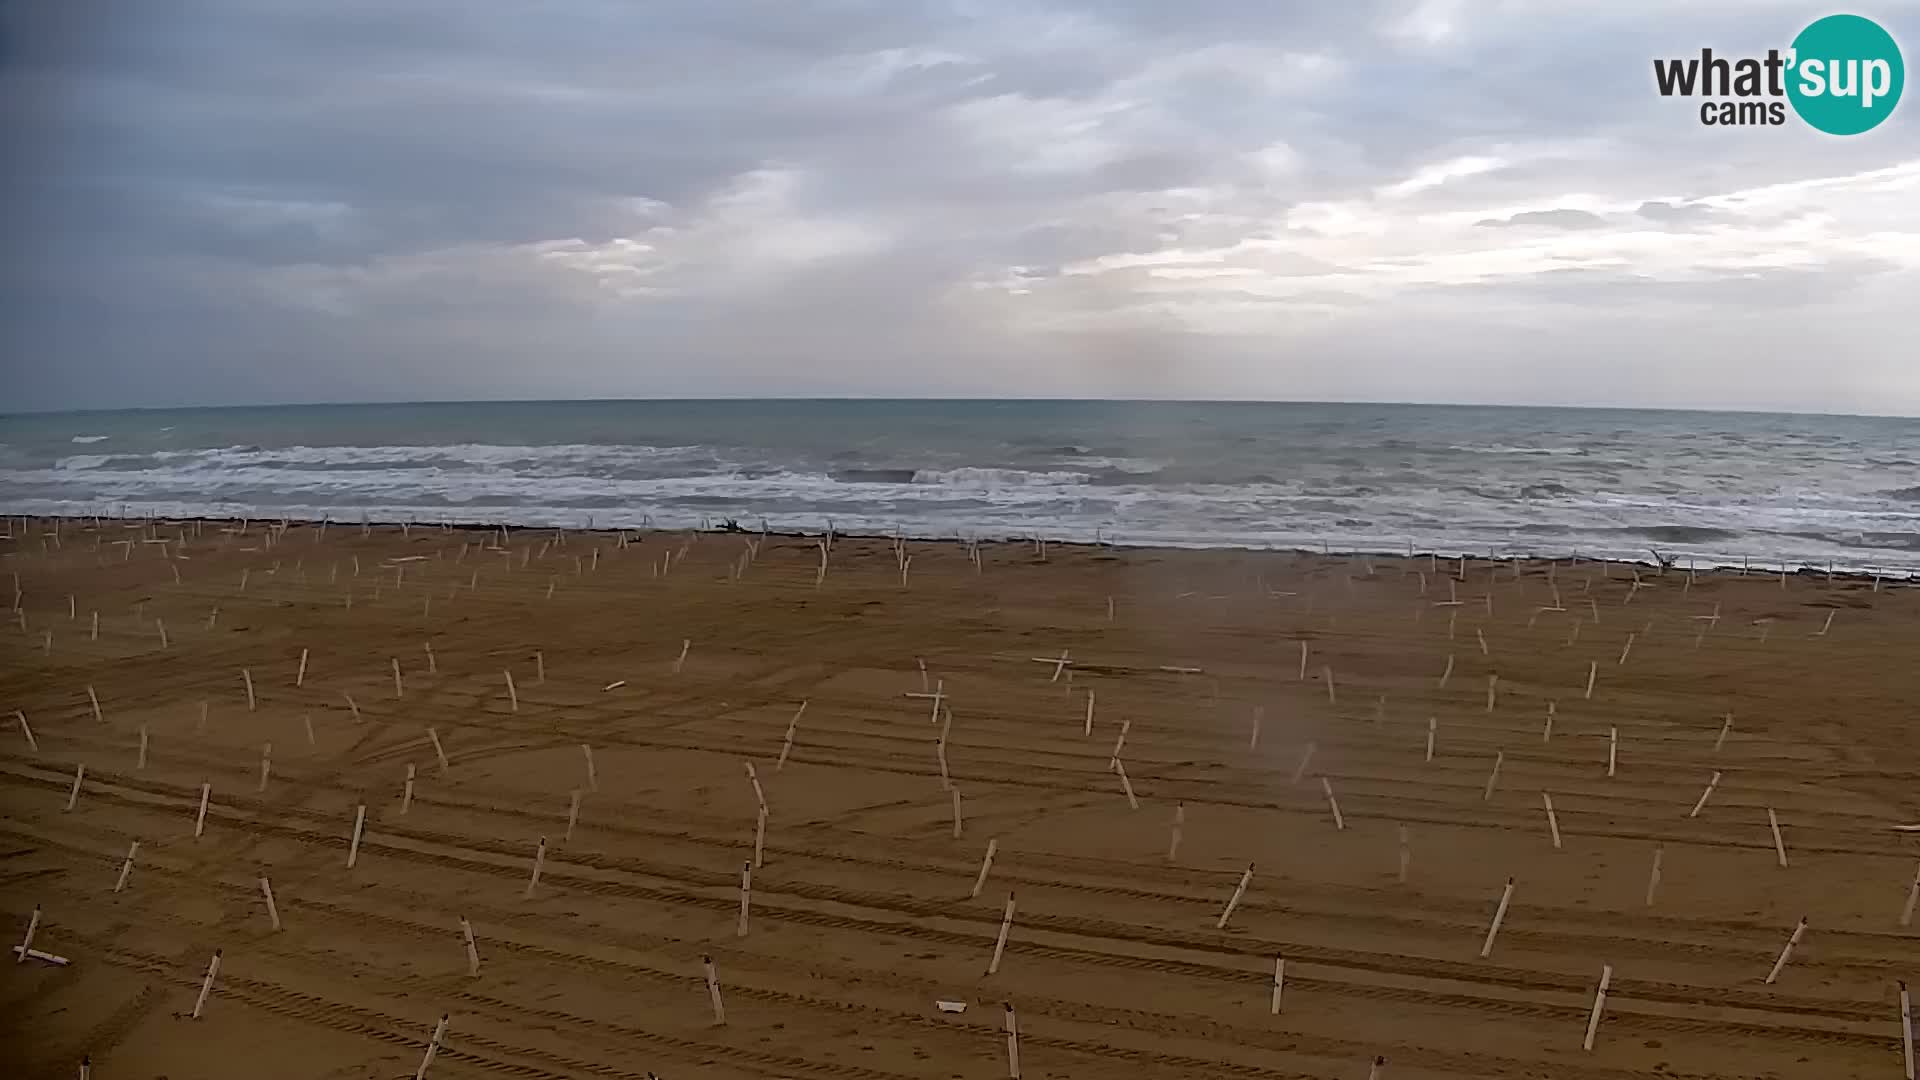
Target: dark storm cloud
(266, 199)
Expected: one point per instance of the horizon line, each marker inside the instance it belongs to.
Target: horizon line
(949, 399)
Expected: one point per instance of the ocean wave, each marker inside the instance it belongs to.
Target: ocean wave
(90, 438)
(972, 477)
(1548, 451)
(1905, 494)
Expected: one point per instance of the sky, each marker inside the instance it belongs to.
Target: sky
(247, 201)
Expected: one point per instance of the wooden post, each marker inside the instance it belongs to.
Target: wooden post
(300, 676)
(1613, 748)
(593, 776)
(1725, 728)
(1013, 1044)
(1303, 661)
(273, 910)
(1126, 785)
(1379, 1060)
(359, 824)
(1279, 983)
(1653, 875)
(1119, 741)
(27, 730)
(1493, 777)
(206, 984)
(1180, 823)
(200, 819)
(1433, 727)
(473, 953)
(539, 666)
(406, 793)
(266, 764)
(26, 944)
(986, 866)
(760, 838)
(1627, 648)
(438, 751)
(786, 745)
(1327, 671)
(1799, 931)
(1779, 845)
(399, 688)
(433, 1048)
(353, 708)
(1239, 891)
(746, 897)
(1333, 804)
(681, 660)
(1499, 916)
(955, 792)
(95, 699)
(79, 774)
(1712, 782)
(539, 861)
(1546, 730)
(126, 867)
(1300, 770)
(1593, 672)
(1253, 740)
(1000, 943)
(1553, 819)
(1446, 674)
(1599, 1006)
(1906, 1028)
(513, 695)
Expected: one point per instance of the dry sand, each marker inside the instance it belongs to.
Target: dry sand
(861, 917)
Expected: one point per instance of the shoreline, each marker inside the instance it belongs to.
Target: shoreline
(1834, 572)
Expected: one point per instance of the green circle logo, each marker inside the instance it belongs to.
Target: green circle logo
(1846, 74)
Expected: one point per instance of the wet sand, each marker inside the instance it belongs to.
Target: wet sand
(861, 916)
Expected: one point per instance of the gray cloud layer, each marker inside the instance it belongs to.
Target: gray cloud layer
(248, 200)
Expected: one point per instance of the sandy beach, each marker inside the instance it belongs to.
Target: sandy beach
(1435, 700)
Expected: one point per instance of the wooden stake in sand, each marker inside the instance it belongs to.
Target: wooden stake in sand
(760, 838)
(95, 700)
(1088, 730)
(593, 777)
(1906, 1028)
(986, 865)
(359, 824)
(786, 745)
(126, 867)
(955, 792)
(1712, 782)
(273, 909)
(1120, 741)
(266, 764)
(1779, 846)
(433, 1048)
(1253, 740)
(513, 696)
(1327, 671)
(473, 953)
(1180, 824)
(1303, 661)
(438, 751)
(206, 984)
(406, 793)
(1493, 777)
(200, 819)
(1447, 673)
(681, 660)
(1499, 916)
(759, 796)
(713, 992)
(1625, 649)
(79, 774)
(141, 761)
(1599, 1005)
(1239, 891)
(399, 688)
(1126, 785)
(539, 666)
(1553, 819)
(300, 676)
(27, 730)
(351, 707)
(746, 897)
(1799, 931)
(1613, 749)
(1593, 672)
(1013, 1044)
(1433, 728)
(26, 944)
(1725, 728)
(1279, 983)
(1300, 770)
(1333, 804)
(1000, 943)
(539, 862)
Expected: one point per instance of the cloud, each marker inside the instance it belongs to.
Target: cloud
(235, 200)
(1548, 219)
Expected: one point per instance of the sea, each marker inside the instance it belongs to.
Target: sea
(1715, 488)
